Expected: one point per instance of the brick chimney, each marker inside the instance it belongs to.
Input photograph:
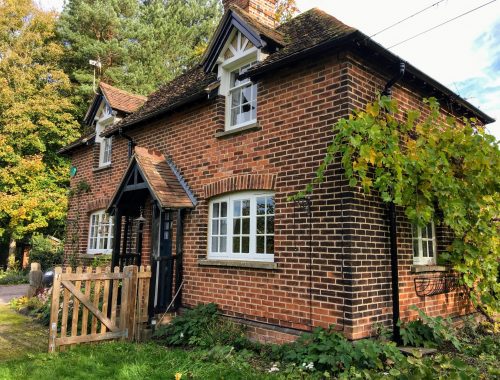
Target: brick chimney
(262, 10)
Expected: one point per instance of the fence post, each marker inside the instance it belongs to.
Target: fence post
(54, 309)
(132, 302)
(124, 305)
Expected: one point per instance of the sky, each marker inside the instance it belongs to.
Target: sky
(463, 54)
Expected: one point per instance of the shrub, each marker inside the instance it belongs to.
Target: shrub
(13, 277)
(428, 331)
(45, 252)
(101, 261)
(328, 350)
(202, 327)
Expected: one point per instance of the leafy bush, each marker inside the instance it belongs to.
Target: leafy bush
(328, 350)
(45, 252)
(202, 327)
(428, 331)
(37, 307)
(101, 261)
(13, 277)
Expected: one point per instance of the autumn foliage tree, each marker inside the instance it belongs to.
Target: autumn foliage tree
(35, 121)
(434, 168)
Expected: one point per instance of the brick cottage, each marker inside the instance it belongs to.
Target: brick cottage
(195, 181)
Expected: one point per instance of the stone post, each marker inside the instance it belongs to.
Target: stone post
(35, 278)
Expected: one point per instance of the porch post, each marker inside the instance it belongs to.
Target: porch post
(117, 234)
(178, 257)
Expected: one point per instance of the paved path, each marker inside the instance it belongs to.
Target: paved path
(7, 292)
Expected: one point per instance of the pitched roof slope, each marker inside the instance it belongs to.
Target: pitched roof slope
(121, 100)
(307, 30)
(299, 36)
(162, 179)
(191, 83)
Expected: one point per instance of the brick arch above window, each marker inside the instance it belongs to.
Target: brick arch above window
(241, 183)
(97, 204)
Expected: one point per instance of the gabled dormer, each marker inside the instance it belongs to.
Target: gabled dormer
(109, 106)
(241, 40)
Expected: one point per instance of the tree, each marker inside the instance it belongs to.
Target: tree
(285, 10)
(430, 165)
(35, 121)
(140, 44)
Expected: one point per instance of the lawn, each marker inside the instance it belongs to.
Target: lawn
(20, 335)
(122, 360)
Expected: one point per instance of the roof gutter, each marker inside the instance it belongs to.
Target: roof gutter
(360, 40)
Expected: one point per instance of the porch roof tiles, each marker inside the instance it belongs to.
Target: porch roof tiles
(161, 179)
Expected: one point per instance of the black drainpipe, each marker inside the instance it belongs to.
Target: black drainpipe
(131, 143)
(393, 235)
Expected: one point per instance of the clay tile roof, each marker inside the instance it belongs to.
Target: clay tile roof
(262, 29)
(161, 179)
(190, 84)
(121, 100)
(305, 31)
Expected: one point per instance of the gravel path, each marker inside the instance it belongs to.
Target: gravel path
(7, 292)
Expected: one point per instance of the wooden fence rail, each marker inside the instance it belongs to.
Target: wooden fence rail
(87, 307)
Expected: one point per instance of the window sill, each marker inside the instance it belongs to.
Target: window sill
(101, 168)
(428, 268)
(246, 128)
(238, 263)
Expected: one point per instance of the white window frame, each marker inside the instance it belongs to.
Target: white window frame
(96, 235)
(240, 58)
(229, 255)
(418, 242)
(105, 151)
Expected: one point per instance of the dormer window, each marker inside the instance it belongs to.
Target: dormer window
(236, 58)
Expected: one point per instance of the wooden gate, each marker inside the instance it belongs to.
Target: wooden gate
(89, 306)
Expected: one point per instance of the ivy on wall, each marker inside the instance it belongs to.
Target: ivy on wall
(430, 164)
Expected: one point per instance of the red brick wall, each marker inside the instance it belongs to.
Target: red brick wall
(341, 273)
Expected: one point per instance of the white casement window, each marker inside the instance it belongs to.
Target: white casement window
(105, 151)
(241, 227)
(424, 244)
(100, 233)
(242, 99)
(237, 57)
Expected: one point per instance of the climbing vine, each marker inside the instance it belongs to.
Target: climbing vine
(429, 165)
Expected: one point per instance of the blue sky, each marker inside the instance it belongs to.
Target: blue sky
(464, 54)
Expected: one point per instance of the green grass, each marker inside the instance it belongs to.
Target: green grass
(20, 335)
(122, 360)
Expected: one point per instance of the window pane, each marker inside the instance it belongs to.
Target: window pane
(260, 244)
(214, 244)
(237, 226)
(270, 224)
(261, 224)
(431, 249)
(270, 244)
(215, 227)
(246, 226)
(261, 206)
(223, 244)
(236, 244)
(415, 247)
(237, 208)
(215, 210)
(424, 248)
(245, 243)
(270, 205)
(245, 207)
(223, 209)
(223, 227)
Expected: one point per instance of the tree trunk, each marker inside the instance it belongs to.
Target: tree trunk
(11, 262)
